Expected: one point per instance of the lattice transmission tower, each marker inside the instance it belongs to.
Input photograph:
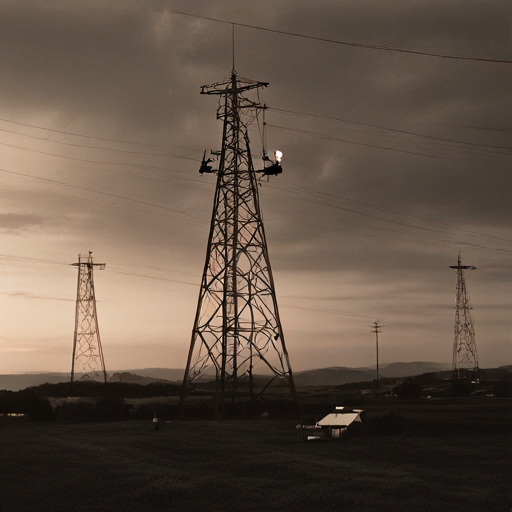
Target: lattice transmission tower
(465, 358)
(87, 352)
(237, 330)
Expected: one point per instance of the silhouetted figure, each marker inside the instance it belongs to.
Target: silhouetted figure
(156, 422)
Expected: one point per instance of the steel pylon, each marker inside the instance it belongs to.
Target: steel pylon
(465, 358)
(237, 338)
(87, 351)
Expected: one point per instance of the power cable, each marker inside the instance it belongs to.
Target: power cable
(142, 166)
(152, 277)
(38, 260)
(82, 146)
(89, 147)
(192, 274)
(116, 205)
(334, 311)
(507, 130)
(320, 136)
(295, 198)
(102, 162)
(308, 190)
(432, 239)
(196, 217)
(346, 43)
(393, 222)
(403, 132)
(99, 138)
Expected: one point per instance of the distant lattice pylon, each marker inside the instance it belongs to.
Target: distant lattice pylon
(88, 359)
(465, 357)
(237, 338)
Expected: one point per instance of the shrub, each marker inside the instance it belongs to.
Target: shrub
(10, 403)
(26, 402)
(408, 390)
(110, 408)
(39, 409)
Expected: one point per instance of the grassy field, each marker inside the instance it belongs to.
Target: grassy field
(455, 455)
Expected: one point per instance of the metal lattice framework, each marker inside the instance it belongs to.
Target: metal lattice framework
(87, 352)
(465, 357)
(237, 324)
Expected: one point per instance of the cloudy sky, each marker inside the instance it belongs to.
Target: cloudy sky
(393, 162)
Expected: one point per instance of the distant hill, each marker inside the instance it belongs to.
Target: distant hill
(333, 376)
(172, 374)
(338, 375)
(399, 370)
(17, 381)
(132, 378)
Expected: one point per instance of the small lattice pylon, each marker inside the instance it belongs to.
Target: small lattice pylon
(88, 359)
(465, 358)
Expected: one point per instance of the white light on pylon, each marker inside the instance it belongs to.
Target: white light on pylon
(278, 155)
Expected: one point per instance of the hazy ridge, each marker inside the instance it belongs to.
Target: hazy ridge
(335, 375)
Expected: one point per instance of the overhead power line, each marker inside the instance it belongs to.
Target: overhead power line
(196, 217)
(394, 130)
(37, 260)
(53, 262)
(142, 166)
(83, 146)
(382, 208)
(406, 233)
(295, 198)
(87, 147)
(346, 43)
(152, 277)
(113, 204)
(487, 128)
(333, 311)
(98, 138)
(326, 137)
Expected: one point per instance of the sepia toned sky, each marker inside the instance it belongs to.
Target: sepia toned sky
(393, 163)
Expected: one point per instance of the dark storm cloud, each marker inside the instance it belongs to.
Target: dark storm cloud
(139, 68)
(96, 61)
(132, 72)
